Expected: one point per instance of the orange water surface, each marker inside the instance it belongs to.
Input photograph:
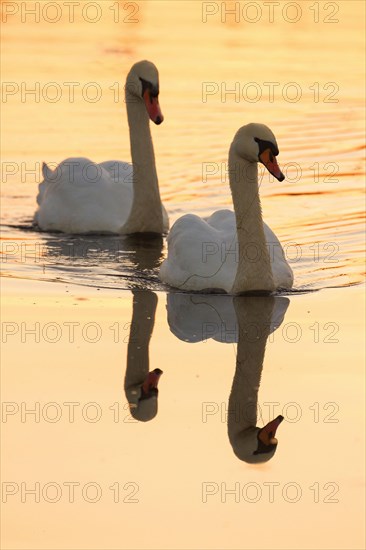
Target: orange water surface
(176, 481)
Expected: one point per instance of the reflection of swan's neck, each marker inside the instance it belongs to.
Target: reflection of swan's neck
(254, 270)
(143, 317)
(254, 319)
(146, 212)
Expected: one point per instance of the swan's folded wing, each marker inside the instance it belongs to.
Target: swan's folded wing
(120, 172)
(200, 255)
(83, 198)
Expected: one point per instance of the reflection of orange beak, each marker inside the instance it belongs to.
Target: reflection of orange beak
(153, 108)
(270, 162)
(151, 380)
(271, 428)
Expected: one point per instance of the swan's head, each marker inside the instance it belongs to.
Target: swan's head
(142, 84)
(147, 406)
(257, 143)
(256, 445)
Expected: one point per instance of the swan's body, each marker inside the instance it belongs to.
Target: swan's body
(81, 196)
(203, 254)
(232, 252)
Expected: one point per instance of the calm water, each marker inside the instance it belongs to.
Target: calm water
(170, 476)
(180, 478)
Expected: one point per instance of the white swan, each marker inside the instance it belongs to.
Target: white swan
(111, 197)
(237, 252)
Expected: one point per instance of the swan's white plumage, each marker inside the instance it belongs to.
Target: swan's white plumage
(72, 202)
(81, 196)
(200, 258)
(235, 252)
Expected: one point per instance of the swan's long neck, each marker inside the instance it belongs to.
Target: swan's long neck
(146, 213)
(254, 270)
(254, 316)
(143, 318)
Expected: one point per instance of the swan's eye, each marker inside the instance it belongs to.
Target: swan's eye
(263, 145)
(152, 88)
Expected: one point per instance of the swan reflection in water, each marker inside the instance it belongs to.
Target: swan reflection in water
(248, 321)
(141, 386)
(129, 261)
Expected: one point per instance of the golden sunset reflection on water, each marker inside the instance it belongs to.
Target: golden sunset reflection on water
(176, 482)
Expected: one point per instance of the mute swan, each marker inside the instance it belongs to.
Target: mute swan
(81, 196)
(237, 252)
(141, 386)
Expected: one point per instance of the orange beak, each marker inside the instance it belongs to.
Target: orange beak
(270, 162)
(153, 108)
